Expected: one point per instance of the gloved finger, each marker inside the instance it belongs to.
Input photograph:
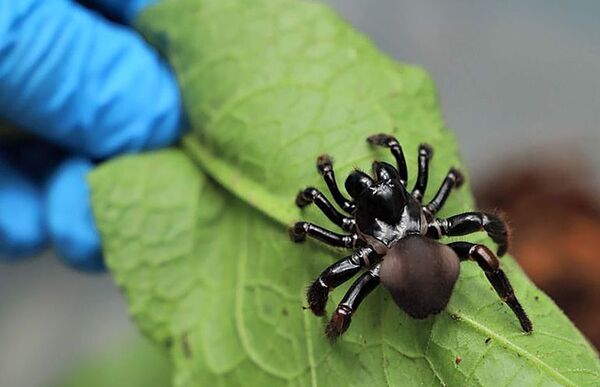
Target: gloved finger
(70, 221)
(76, 79)
(22, 228)
(124, 11)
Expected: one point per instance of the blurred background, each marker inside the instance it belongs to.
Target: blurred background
(519, 85)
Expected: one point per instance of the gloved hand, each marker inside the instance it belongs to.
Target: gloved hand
(92, 87)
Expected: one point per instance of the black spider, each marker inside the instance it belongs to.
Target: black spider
(393, 236)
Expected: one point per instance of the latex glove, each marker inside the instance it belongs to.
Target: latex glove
(93, 87)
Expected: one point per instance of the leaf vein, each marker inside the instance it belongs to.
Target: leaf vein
(239, 304)
(509, 345)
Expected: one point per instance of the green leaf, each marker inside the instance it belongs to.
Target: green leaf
(136, 363)
(208, 269)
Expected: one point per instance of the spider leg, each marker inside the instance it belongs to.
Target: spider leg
(470, 222)
(300, 230)
(365, 284)
(335, 275)
(325, 167)
(425, 154)
(391, 142)
(313, 195)
(488, 262)
(454, 179)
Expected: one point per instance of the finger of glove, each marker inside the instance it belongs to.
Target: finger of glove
(22, 228)
(78, 80)
(70, 221)
(124, 11)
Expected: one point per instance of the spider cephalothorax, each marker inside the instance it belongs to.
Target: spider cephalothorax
(393, 235)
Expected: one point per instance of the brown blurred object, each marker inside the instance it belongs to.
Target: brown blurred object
(554, 213)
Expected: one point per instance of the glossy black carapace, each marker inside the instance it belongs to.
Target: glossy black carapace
(394, 236)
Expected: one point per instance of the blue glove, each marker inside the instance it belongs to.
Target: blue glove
(91, 87)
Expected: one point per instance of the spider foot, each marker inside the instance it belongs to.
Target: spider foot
(382, 139)
(297, 232)
(459, 178)
(426, 150)
(339, 323)
(324, 164)
(496, 229)
(317, 296)
(518, 310)
(305, 197)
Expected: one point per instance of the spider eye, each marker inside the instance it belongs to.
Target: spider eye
(384, 171)
(357, 182)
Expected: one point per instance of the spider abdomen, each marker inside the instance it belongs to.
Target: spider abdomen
(420, 275)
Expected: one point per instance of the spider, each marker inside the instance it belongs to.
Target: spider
(394, 236)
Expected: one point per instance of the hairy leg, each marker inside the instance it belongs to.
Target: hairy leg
(454, 179)
(490, 265)
(337, 274)
(365, 284)
(325, 167)
(300, 230)
(471, 222)
(313, 195)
